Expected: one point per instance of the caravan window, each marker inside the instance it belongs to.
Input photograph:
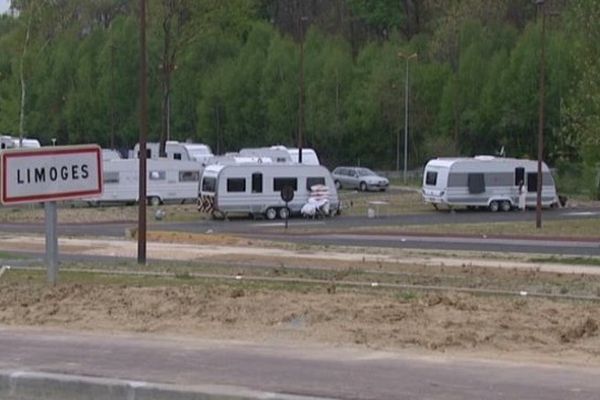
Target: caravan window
(519, 175)
(209, 184)
(280, 183)
(148, 153)
(111, 177)
(431, 178)
(532, 182)
(189, 176)
(310, 182)
(157, 175)
(236, 184)
(476, 183)
(176, 156)
(257, 182)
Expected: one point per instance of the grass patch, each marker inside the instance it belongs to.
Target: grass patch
(567, 228)
(303, 280)
(11, 256)
(591, 261)
(408, 202)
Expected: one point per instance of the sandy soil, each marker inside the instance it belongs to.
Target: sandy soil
(446, 321)
(504, 327)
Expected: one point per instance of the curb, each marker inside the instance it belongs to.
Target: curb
(26, 385)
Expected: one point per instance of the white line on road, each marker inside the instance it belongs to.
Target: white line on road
(304, 223)
(581, 213)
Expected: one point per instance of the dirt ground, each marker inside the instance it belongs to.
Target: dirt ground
(512, 326)
(442, 322)
(496, 326)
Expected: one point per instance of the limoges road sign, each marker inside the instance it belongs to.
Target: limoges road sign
(50, 173)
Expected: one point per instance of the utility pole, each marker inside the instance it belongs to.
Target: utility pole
(143, 122)
(407, 57)
(301, 20)
(112, 94)
(538, 208)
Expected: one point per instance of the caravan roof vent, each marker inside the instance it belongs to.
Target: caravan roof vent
(485, 158)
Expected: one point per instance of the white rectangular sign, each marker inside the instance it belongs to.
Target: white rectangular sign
(50, 173)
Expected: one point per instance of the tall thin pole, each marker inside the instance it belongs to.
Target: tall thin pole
(112, 95)
(538, 209)
(143, 136)
(301, 87)
(405, 123)
(301, 104)
(407, 57)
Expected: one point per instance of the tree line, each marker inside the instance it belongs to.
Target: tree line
(228, 73)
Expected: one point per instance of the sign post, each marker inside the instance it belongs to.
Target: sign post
(51, 242)
(287, 195)
(46, 175)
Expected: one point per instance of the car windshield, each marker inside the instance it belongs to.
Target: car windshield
(365, 172)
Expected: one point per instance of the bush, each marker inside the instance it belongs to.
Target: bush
(577, 179)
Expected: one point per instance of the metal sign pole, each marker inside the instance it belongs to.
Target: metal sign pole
(286, 216)
(51, 242)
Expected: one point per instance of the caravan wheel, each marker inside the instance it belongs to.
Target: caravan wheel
(271, 213)
(154, 201)
(505, 205)
(494, 206)
(284, 213)
(218, 215)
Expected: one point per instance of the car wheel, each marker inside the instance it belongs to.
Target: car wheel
(271, 213)
(494, 206)
(218, 215)
(363, 187)
(154, 201)
(338, 185)
(505, 206)
(284, 213)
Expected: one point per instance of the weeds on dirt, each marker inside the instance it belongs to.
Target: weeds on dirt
(407, 295)
(592, 261)
(10, 256)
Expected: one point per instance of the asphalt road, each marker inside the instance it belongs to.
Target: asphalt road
(332, 231)
(308, 371)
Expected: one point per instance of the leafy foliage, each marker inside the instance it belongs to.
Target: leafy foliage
(234, 81)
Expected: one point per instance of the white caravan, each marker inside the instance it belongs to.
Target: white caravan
(9, 142)
(274, 154)
(167, 181)
(236, 158)
(309, 156)
(255, 188)
(176, 151)
(110, 154)
(485, 181)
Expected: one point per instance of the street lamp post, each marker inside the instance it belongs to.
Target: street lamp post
(407, 57)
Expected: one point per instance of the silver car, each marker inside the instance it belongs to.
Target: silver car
(359, 178)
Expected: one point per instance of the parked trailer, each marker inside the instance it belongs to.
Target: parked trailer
(10, 142)
(255, 188)
(486, 181)
(176, 151)
(167, 181)
(274, 154)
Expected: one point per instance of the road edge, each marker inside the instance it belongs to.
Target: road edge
(29, 385)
